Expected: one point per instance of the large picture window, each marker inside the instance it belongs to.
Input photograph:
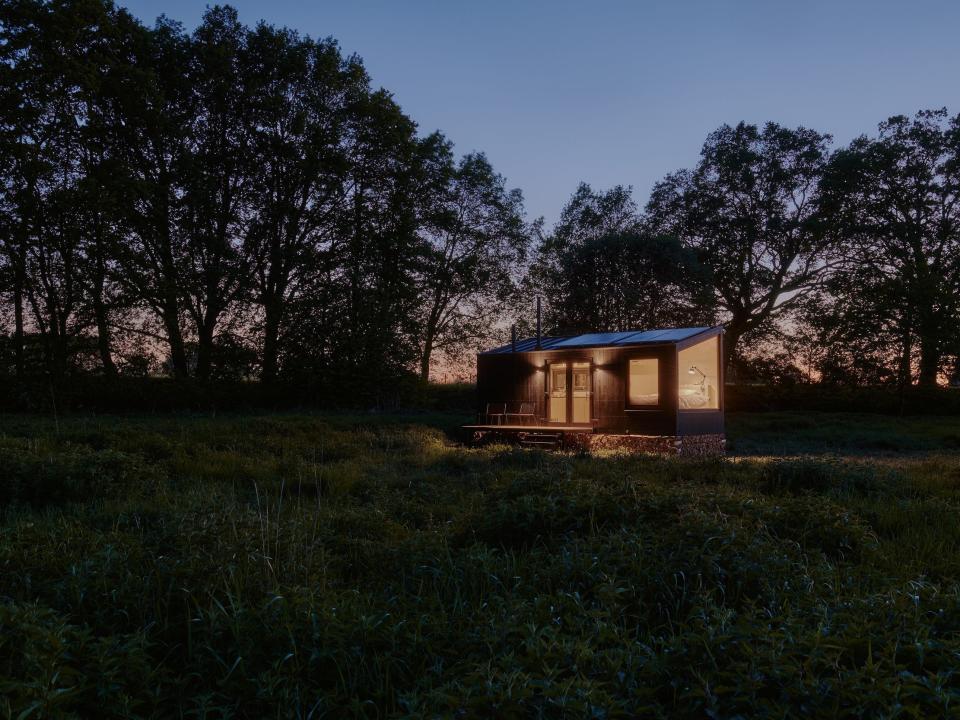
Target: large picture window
(643, 387)
(699, 381)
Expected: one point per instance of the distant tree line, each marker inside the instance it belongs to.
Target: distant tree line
(233, 201)
(840, 266)
(240, 202)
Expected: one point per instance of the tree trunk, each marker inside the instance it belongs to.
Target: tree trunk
(905, 361)
(101, 320)
(18, 321)
(955, 374)
(731, 339)
(100, 313)
(929, 359)
(61, 355)
(61, 346)
(205, 332)
(103, 336)
(355, 266)
(271, 340)
(178, 353)
(425, 358)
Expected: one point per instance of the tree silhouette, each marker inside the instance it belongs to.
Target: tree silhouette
(749, 210)
(476, 246)
(602, 269)
(895, 199)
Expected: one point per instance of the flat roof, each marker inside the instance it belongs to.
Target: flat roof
(608, 339)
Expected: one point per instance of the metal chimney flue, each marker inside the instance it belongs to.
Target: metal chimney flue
(513, 338)
(539, 347)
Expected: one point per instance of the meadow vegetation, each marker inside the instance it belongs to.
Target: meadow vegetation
(368, 566)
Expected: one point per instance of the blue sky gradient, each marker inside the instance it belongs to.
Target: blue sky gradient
(625, 92)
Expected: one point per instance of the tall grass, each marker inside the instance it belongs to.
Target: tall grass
(337, 566)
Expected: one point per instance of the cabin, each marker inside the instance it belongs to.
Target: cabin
(643, 390)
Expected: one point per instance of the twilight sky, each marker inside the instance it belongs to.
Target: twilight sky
(612, 92)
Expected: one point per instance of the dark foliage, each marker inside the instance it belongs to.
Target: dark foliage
(883, 399)
(95, 393)
(240, 202)
(893, 305)
(749, 211)
(334, 566)
(230, 202)
(601, 270)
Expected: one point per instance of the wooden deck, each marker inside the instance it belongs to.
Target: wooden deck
(555, 427)
(551, 436)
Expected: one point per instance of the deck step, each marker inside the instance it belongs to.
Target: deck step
(542, 440)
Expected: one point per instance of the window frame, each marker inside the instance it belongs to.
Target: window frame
(718, 337)
(658, 407)
(570, 359)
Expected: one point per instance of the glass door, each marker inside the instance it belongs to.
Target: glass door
(581, 392)
(558, 393)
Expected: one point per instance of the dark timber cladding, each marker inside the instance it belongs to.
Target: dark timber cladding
(596, 381)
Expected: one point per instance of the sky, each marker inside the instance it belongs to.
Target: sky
(619, 92)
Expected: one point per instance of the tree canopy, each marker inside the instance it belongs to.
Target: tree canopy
(748, 210)
(603, 269)
(243, 202)
(232, 200)
(894, 199)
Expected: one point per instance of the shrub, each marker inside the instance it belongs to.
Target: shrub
(52, 668)
(833, 476)
(40, 477)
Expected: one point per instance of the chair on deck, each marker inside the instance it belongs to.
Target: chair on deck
(525, 413)
(496, 413)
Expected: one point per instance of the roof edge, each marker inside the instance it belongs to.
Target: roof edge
(558, 343)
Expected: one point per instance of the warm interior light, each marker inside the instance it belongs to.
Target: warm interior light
(643, 386)
(702, 359)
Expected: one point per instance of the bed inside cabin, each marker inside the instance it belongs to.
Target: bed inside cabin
(698, 385)
(698, 381)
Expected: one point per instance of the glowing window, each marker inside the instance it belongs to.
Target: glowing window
(644, 382)
(699, 380)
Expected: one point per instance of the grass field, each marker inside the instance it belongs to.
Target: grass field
(339, 566)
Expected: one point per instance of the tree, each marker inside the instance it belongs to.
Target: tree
(601, 269)
(749, 210)
(51, 59)
(853, 328)
(17, 115)
(302, 100)
(896, 200)
(151, 107)
(476, 243)
(356, 312)
(216, 176)
(98, 202)
(592, 214)
(208, 193)
(181, 134)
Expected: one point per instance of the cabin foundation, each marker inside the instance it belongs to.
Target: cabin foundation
(711, 445)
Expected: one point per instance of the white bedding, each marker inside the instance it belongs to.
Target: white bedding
(693, 396)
